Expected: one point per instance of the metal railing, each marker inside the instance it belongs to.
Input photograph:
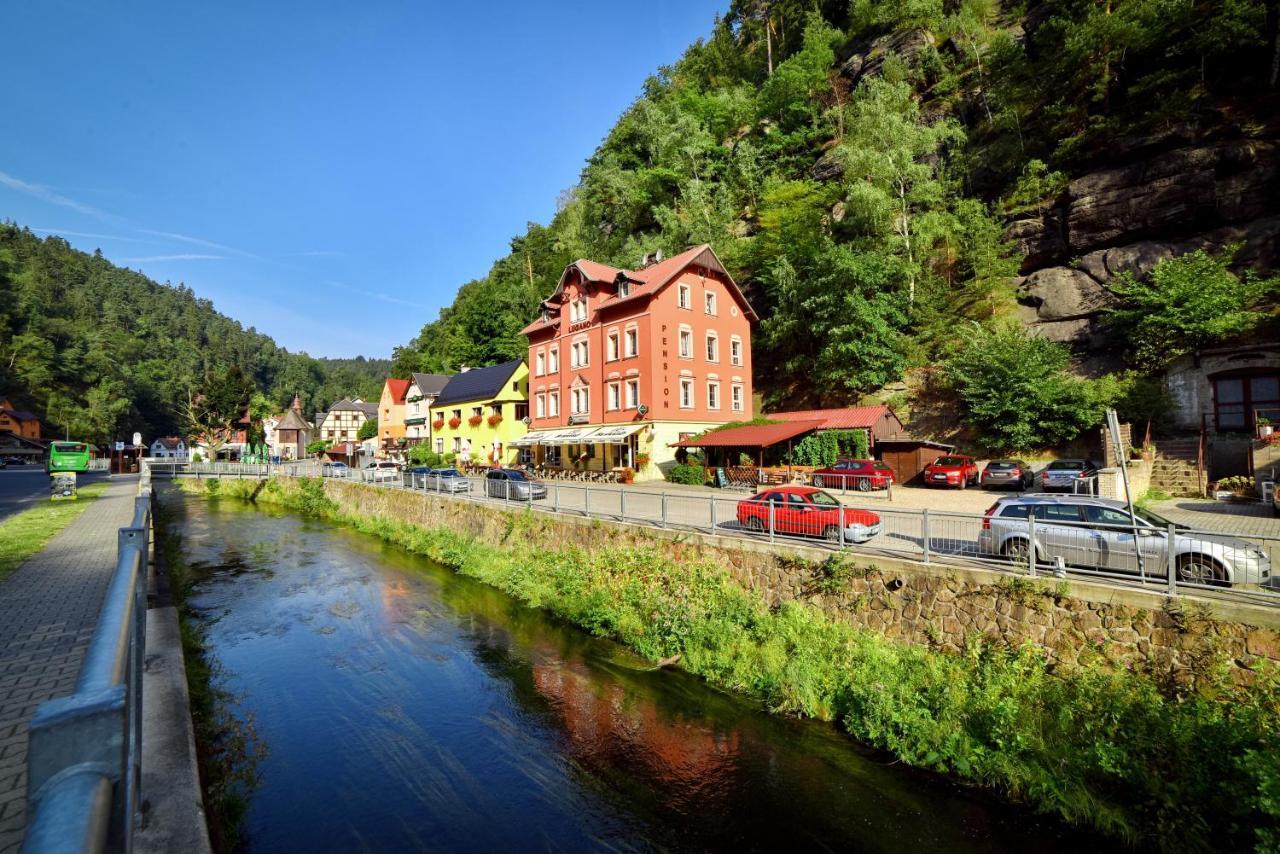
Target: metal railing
(1080, 549)
(84, 757)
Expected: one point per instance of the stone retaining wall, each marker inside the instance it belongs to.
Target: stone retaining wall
(1077, 623)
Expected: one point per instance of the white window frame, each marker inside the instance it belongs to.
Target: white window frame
(624, 289)
(613, 351)
(581, 400)
(684, 297)
(632, 342)
(686, 393)
(713, 394)
(713, 347)
(540, 363)
(553, 359)
(735, 397)
(577, 310)
(709, 302)
(615, 396)
(632, 394)
(439, 446)
(685, 335)
(553, 403)
(540, 405)
(579, 354)
(735, 351)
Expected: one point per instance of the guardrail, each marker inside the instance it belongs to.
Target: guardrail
(1200, 560)
(85, 750)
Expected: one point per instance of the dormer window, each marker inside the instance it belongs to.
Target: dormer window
(624, 289)
(546, 314)
(578, 311)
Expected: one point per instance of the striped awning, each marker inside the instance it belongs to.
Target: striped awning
(614, 434)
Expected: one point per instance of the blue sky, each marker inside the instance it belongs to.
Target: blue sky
(328, 173)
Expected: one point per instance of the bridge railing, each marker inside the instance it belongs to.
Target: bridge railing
(85, 750)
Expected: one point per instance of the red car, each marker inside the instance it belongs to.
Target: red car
(862, 475)
(954, 470)
(808, 511)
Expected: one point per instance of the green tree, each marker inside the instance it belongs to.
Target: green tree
(1187, 303)
(368, 430)
(213, 412)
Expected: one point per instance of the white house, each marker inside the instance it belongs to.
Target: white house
(169, 447)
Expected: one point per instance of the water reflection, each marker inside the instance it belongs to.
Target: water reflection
(406, 708)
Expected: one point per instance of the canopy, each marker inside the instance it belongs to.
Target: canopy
(750, 435)
(570, 436)
(616, 434)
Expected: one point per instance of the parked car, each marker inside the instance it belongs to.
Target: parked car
(4, 464)
(862, 475)
(335, 470)
(513, 484)
(1069, 475)
(450, 480)
(1015, 473)
(382, 471)
(808, 511)
(952, 470)
(1098, 533)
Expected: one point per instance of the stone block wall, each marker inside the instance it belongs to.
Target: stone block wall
(1076, 623)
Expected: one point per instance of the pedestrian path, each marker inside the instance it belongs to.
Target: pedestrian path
(48, 609)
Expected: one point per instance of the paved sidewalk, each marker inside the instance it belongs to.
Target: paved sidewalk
(48, 608)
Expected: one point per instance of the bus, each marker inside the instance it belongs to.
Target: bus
(68, 456)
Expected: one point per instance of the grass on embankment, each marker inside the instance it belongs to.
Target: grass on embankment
(23, 534)
(1101, 749)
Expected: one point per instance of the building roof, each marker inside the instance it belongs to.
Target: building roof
(848, 418)
(646, 281)
(370, 410)
(6, 406)
(477, 383)
(430, 384)
(398, 389)
(292, 420)
(169, 442)
(750, 435)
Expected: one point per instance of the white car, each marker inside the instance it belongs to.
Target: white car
(382, 471)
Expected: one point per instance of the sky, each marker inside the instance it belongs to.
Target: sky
(328, 173)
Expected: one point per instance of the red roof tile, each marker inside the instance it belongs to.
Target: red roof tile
(750, 435)
(399, 388)
(848, 418)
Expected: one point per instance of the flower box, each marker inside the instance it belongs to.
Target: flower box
(495, 420)
(475, 420)
(455, 423)
(438, 423)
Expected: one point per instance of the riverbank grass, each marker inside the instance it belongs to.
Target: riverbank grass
(1104, 749)
(24, 534)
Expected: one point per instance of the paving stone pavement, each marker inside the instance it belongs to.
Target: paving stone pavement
(48, 608)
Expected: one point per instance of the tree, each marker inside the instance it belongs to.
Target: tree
(213, 412)
(1015, 391)
(368, 430)
(1187, 303)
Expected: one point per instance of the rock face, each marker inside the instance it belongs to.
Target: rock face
(869, 55)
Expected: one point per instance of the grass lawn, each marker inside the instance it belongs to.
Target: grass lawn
(25, 533)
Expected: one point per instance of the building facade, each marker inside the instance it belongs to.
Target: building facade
(421, 395)
(480, 414)
(391, 416)
(169, 448)
(290, 434)
(18, 421)
(342, 421)
(624, 363)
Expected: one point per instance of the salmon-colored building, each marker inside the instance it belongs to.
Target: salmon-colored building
(391, 427)
(622, 363)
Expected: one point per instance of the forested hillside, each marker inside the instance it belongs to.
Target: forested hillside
(99, 351)
(890, 180)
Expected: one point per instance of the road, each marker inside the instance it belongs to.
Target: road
(25, 486)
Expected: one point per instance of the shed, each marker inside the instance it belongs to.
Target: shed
(908, 457)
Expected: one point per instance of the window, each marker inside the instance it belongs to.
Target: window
(686, 344)
(476, 411)
(553, 360)
(540, 405)
(633, 342)
(633, 394)
(1237, 401)
(495, 409)
(615, 396)
(540, 363)
(1057, 512)
(735, 351)
(686, 394)
(1106, 516)
(713, 347)
(709, 300)
(457, 413)
(624, 289)
(683, 296)
(713, 395)
(515, 386)
(439, 446)
(522, 411)
(457, 444)
(735, 397)
(577, 311)
(553, 404)
(581, 400)
(612, 351)
(578, 354)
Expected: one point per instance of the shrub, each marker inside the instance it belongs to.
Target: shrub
(367, 430)
(422, 455)
(828, 446)
(686, 473)
(318, 446)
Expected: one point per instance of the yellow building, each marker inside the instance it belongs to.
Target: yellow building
(481, 411)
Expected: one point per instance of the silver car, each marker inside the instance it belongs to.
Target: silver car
(447, 480)
(1098, 533)
(513, 485)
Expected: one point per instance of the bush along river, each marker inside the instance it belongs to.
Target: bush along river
(401, 706)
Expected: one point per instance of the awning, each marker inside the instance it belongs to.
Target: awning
(751, 435)
(615, 434)
(571, 436)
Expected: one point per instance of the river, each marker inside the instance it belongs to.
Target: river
(406, 708)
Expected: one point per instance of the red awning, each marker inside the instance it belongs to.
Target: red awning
(751, 435)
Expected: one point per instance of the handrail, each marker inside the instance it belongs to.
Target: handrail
(84, 759)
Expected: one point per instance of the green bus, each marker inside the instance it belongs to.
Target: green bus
(68, 456)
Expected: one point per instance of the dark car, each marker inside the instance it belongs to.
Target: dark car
(1069, 475)
(862, 475)
(1004, 473)
(513, 485)
(951, 470)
